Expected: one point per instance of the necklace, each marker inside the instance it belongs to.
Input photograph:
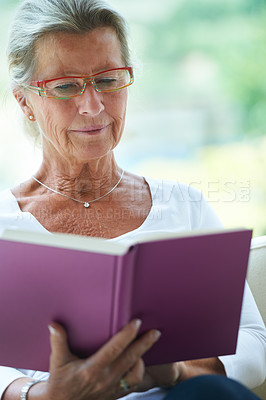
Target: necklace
(85, 203)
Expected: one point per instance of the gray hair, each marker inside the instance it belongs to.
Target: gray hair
(36, 18)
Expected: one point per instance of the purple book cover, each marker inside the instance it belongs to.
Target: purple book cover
(196, 285)
(190, 288)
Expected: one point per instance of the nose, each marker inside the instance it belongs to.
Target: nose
(90, 102)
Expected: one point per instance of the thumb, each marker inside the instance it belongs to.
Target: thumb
(60, 353)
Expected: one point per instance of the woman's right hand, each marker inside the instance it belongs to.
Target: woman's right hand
(97, 377)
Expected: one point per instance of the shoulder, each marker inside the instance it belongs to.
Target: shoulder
(185, 202)
(11, 216)
(178, 191)
(8, 202)
(9, 210)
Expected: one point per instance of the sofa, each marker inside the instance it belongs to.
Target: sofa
(257, 281)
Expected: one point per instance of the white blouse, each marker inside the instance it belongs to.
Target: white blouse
(175, 207)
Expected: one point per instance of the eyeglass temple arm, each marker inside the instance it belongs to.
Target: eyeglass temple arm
(34, 89)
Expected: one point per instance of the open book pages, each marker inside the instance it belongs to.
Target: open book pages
(93, 244)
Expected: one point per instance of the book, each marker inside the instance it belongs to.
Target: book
(189, 286)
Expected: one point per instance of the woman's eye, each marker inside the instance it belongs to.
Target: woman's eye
(67, 86)
(105, 81)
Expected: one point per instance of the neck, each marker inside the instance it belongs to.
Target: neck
(89, 179)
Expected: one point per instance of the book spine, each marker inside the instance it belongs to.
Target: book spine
(122, 291)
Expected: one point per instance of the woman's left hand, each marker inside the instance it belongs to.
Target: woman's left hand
(165, 375)
(169, 375)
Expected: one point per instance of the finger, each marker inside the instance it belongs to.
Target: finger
(109, 352)
(135, 351)
(134, 377)
(60, 353)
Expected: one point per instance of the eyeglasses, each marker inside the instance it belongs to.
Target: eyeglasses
(72, 86)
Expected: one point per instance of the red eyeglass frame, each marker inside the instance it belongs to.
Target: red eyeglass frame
(40, 85)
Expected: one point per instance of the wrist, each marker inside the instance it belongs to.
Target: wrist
(37, 391)
(210, 366)
(26, 388)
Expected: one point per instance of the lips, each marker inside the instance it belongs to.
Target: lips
(90, 130)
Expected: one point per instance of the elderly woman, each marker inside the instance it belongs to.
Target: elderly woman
(71, 69)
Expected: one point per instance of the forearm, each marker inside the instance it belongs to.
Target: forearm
(204, 366)
(14, 389)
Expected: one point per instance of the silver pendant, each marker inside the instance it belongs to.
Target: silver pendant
(86, 204)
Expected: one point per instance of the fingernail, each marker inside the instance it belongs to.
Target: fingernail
(157, 334)
(138, 323)
(52, 330)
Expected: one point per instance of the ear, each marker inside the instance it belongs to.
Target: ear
(24, 103)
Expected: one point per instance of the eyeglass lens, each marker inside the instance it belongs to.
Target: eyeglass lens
(104, 82)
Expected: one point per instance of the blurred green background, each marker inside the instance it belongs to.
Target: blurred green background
(197, 110)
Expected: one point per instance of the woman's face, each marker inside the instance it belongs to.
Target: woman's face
(89, 126)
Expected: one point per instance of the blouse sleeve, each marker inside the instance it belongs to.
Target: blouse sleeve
(248, 365)
(8, 375)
